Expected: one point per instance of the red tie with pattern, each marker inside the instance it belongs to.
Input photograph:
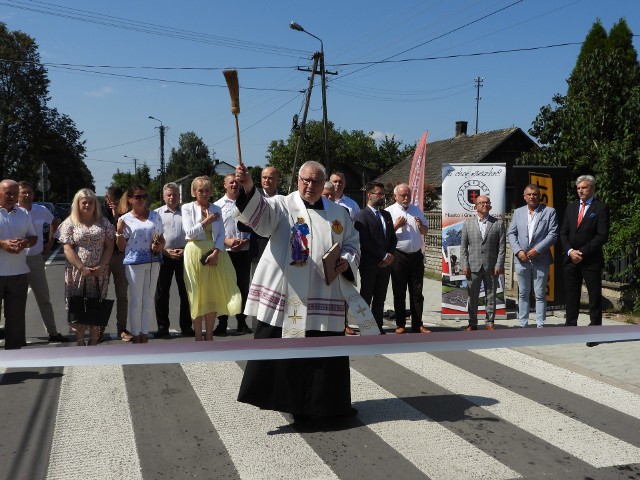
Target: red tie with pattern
(581, 212)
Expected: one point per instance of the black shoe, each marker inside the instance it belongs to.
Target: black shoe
(57, 338)
(301, 418)
(188, 333)
(220, 331)
(243, 330)
(162, 332)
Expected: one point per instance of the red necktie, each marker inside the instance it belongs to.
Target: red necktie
(581, 212)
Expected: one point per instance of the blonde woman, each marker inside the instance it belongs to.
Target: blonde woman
(209, 275)
(139, 236)
(88, 244)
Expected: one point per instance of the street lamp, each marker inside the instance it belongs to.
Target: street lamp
(162, 127)
(135, 164)
(298, 27)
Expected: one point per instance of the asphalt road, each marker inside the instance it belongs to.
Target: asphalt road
(485, 414)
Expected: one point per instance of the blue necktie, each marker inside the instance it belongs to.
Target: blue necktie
(379, 215)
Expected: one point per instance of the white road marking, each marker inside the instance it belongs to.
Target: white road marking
(436, 451)
(600, 392)
(93, 436)
(582, 441)
(216, 384)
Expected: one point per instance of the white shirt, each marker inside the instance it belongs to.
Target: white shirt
(229, 212)
(482, 225)
(349, 204)
(410, 239)
(174, 235)
(39, 216)
(14, 224)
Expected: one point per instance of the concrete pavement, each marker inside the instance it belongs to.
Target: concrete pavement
(614, 363)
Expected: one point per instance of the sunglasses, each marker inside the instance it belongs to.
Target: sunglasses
(141, 197)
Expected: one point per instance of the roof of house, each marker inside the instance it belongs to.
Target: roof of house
(460, 149)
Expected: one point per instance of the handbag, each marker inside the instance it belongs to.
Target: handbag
(203, 258)
(89, 310)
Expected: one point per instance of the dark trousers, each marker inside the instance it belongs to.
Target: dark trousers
(242, 266)
(13, 292)
(573, 276)
(168, 269)
(374, 282)
(407, 271)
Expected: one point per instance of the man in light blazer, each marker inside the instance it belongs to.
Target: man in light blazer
(584, 231)
(532, 233)
(482, 253)
(377, 245)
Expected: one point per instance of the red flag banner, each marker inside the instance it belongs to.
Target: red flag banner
(416, 176)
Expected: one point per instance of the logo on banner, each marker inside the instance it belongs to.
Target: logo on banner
(469, 192)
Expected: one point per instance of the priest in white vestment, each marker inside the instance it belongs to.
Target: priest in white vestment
(290, 298)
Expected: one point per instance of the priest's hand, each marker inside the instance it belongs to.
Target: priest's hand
(243, 177)
(342, 266)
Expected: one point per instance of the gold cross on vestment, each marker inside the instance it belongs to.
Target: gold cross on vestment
(295, 316)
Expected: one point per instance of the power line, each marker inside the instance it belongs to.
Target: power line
(259, 121)
(439, 36)
(79, 67)
(121, 144)
(149, 28)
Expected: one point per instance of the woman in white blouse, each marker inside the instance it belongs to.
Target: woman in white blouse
(139, 235)
(209, 275)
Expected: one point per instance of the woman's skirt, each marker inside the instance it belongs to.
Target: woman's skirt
(211, 288)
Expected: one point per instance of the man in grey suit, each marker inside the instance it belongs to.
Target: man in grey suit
(532, 233)
(482, 253)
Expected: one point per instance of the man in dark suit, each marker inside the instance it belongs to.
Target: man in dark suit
(584, 231)
(377, 245)
(482, 253)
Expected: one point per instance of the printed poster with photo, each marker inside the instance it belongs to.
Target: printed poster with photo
(462, 183)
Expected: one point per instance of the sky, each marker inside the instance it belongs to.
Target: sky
(403, 67)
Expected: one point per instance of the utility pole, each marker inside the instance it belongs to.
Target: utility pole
(161, 156)
(478, 81)
(135, 165)
(162, 130)
(294, 177)
(325, 123)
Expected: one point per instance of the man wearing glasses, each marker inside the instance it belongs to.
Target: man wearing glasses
(482, 253)
(290, 297)
(378, 244)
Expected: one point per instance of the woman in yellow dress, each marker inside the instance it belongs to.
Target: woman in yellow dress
(209, 275)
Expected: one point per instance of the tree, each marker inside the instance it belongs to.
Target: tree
(594, 130)
(391, 151)
(30, 131)
(190, 158)
(345, 148)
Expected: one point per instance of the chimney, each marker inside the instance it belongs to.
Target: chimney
(461, 128)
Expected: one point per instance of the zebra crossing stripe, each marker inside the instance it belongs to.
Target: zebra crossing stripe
(435, 451)
(602, 393)
(216, 385)
(84, 444)
(594, 447)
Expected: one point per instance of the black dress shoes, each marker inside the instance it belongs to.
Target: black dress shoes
(162, 333)
(220, 330)
(190, 332)
(243, 330)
